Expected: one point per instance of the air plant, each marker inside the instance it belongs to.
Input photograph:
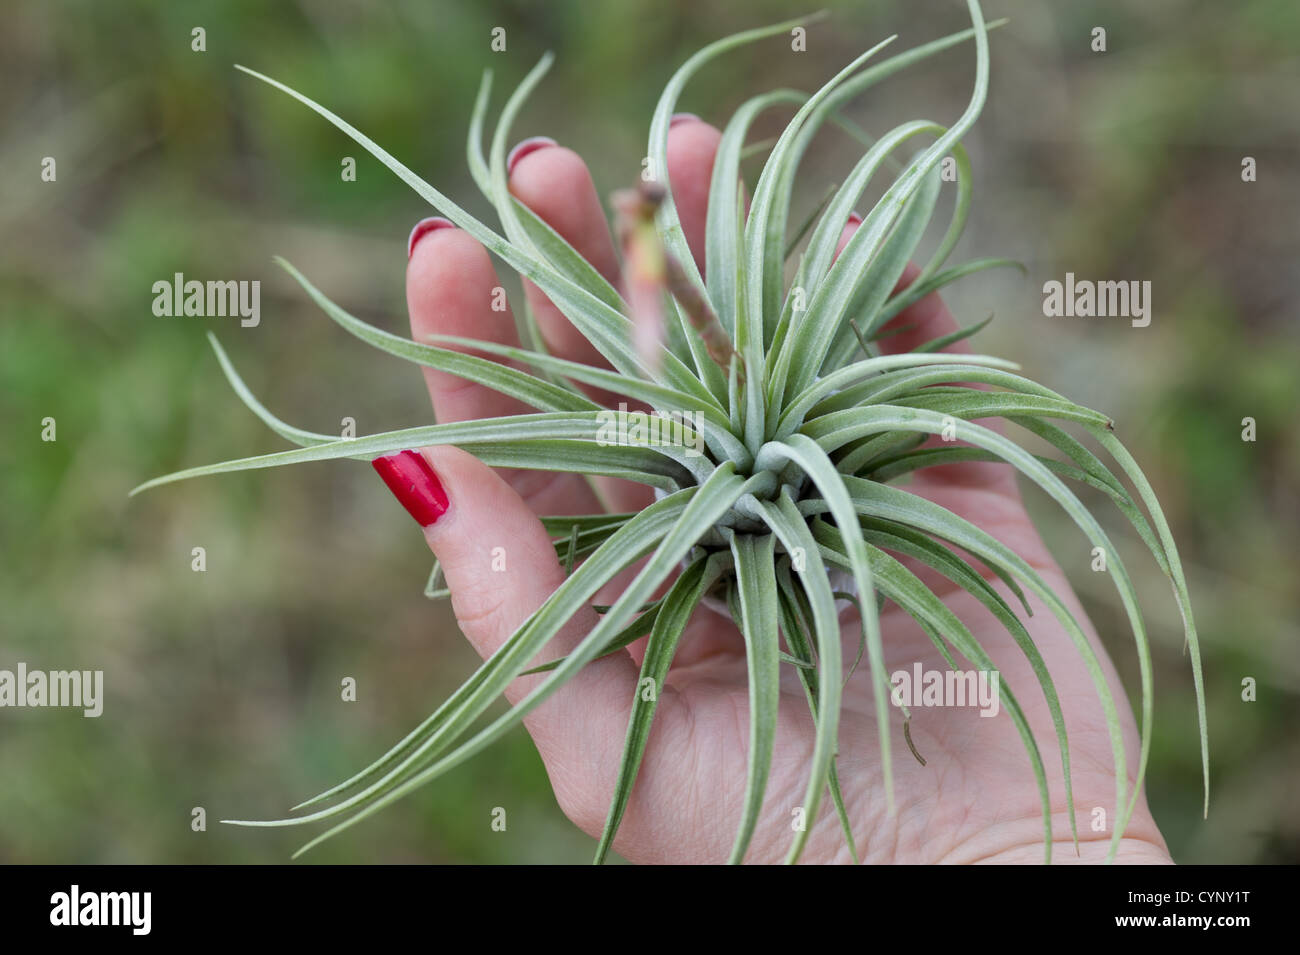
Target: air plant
(803, 425)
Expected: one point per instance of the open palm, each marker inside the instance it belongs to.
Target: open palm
(974, 799)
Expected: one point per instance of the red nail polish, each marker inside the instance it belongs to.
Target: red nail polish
(423, 228)
(854, 219)
(524, 148)
(415, 484)
(682, 118)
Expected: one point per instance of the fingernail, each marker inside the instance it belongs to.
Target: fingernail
(854, 219)
(423, 228)
(415, 484)
(524, 148)
(682, 118)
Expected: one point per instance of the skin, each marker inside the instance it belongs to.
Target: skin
(975, 800)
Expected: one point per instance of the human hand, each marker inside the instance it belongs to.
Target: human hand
(975, 798)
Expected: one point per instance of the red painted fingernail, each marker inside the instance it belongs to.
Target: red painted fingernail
(423, 228)
(415, 484)
(682, 118)
(524, 148)
(854, 219)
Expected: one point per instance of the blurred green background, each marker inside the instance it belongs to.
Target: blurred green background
(223, 687)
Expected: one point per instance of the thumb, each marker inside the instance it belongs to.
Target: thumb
(500, 566)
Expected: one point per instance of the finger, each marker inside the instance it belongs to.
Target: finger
(556, 185)
(846, 233)
(920, 322)
(692, 148)
(917, 324)
(450, 290)
(923, 321)
(500, 567)
(449, 283)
